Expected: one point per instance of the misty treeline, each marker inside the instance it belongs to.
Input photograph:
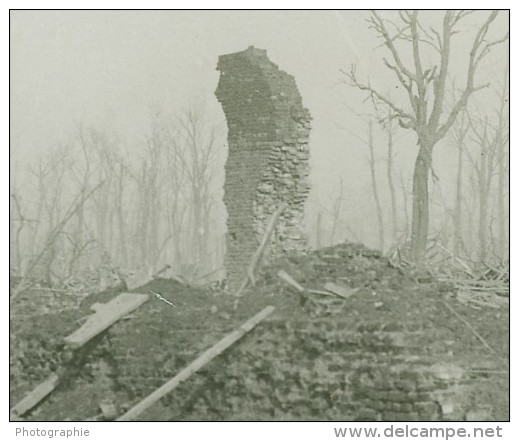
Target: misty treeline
(436, 107)
(87, 209)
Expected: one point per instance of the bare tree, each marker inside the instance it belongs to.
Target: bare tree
(484, 165)
(195, 148)
(458, 135)
(502, 114)
(336, 211)
(376, 197)
(389, 129)
(50, 241)
(405, 193)
(423, 84)
(370, 158)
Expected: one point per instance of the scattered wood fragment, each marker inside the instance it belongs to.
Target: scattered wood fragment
(161, 271)
(483, 371)
(159, 296)
(332, 290)
(196, 365)
(481, 339)
(105, 316)
(43, 289)
(108, 410)
(36, 395)
(482, 299)
(79, 200)
(290, 280)
(323, 293)
(256, 258)
(204, 277)
(340, 290)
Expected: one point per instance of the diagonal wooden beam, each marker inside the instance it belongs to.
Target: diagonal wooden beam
(106, 314)
(196, 365)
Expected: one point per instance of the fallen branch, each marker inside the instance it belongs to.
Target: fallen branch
(36, 395)
(290, 280)
(76, 204)
(256, 258)
(339, 290)
(302, 290)
(210, 273)
(196, 365)
(266, 237)
(106, 314)
(156, 294)
(481, 339)
(82, 341)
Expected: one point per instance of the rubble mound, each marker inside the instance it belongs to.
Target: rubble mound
(392, 350)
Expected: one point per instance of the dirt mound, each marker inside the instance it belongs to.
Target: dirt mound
(306, 361)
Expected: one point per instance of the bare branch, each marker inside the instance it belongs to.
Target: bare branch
(379, 26)
(476, 54)
(405, 117)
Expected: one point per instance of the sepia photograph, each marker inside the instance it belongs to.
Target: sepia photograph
(260, 216)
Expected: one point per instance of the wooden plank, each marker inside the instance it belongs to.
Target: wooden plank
(106, 315)
(322, 293)
(256, 258)
(290, 280)
(339, 290)
(196, 365)
(36, 395)
(264, 241)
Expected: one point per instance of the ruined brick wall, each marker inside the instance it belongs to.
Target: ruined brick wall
(268, 157)
(392, 351)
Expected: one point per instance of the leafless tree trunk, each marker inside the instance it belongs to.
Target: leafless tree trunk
(390, 180)
(16, 217)
(318, 232)
(336, 211)
(502, 158)
(421, 83)
(195, 148)
(458, 134)
(484, 167)
(121, 222)
(378, 206)
(50, 242)
(405, 192)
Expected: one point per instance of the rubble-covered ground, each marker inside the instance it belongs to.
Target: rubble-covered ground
(296, 365)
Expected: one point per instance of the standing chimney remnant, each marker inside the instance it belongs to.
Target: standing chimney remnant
(268, 159)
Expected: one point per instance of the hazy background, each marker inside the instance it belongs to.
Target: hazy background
(107, 69)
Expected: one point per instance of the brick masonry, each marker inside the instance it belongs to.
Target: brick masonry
(331, 360)
(268, 131)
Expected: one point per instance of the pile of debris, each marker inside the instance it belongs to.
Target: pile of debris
(352, 337)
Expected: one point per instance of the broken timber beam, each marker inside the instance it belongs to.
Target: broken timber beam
(290, 280)
(106, 314)
(36, 395)
(340, 290)
(256, 258)
(265, 240)
(196, 365)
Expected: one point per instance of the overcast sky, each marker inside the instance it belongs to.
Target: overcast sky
(106, 68)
